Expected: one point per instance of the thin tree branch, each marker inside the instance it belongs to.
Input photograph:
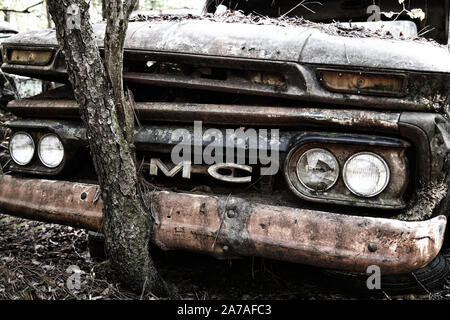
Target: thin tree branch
(129, 6)
(26, 10)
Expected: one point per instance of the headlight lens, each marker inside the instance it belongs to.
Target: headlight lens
(366, 174)
(318, 169)
(51, 151)
(21, 148)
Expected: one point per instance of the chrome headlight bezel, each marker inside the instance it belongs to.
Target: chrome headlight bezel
(343, 146)
(11, 146)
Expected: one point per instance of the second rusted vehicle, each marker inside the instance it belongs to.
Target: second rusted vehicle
(358, 123)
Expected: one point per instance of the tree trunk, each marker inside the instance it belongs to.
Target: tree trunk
(47, 14)
(108, 117)
(104, 15)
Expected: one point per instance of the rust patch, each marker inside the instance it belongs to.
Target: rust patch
(51, 201)
(429, 197)
(232, 227)
(386, 122)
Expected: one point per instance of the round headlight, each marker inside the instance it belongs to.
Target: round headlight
(318, 169)
(366, 174)
(51, 151)
(21, 148)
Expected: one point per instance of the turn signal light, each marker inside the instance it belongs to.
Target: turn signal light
(363, 83)
(29, 57)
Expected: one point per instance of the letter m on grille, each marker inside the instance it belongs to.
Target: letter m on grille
(184, 166)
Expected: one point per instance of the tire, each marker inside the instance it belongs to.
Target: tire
(96, 245)
(443, 209)
(447, 238)
(429, 279)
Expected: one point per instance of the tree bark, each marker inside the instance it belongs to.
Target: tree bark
(47, 14)
(104, 14)
(108, 117)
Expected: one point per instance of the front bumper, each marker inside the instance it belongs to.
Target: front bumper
(228, 227)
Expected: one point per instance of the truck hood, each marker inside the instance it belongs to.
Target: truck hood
(309, 44)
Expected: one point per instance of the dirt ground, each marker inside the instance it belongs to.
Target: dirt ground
(35, 258)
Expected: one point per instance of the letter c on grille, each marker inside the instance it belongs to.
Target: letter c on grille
(214, 172)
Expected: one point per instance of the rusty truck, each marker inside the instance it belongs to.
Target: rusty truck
(362, 113)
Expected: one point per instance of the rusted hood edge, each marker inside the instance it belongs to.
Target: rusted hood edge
(265, 42)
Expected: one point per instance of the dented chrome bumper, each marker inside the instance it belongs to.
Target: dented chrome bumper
(229, 227)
